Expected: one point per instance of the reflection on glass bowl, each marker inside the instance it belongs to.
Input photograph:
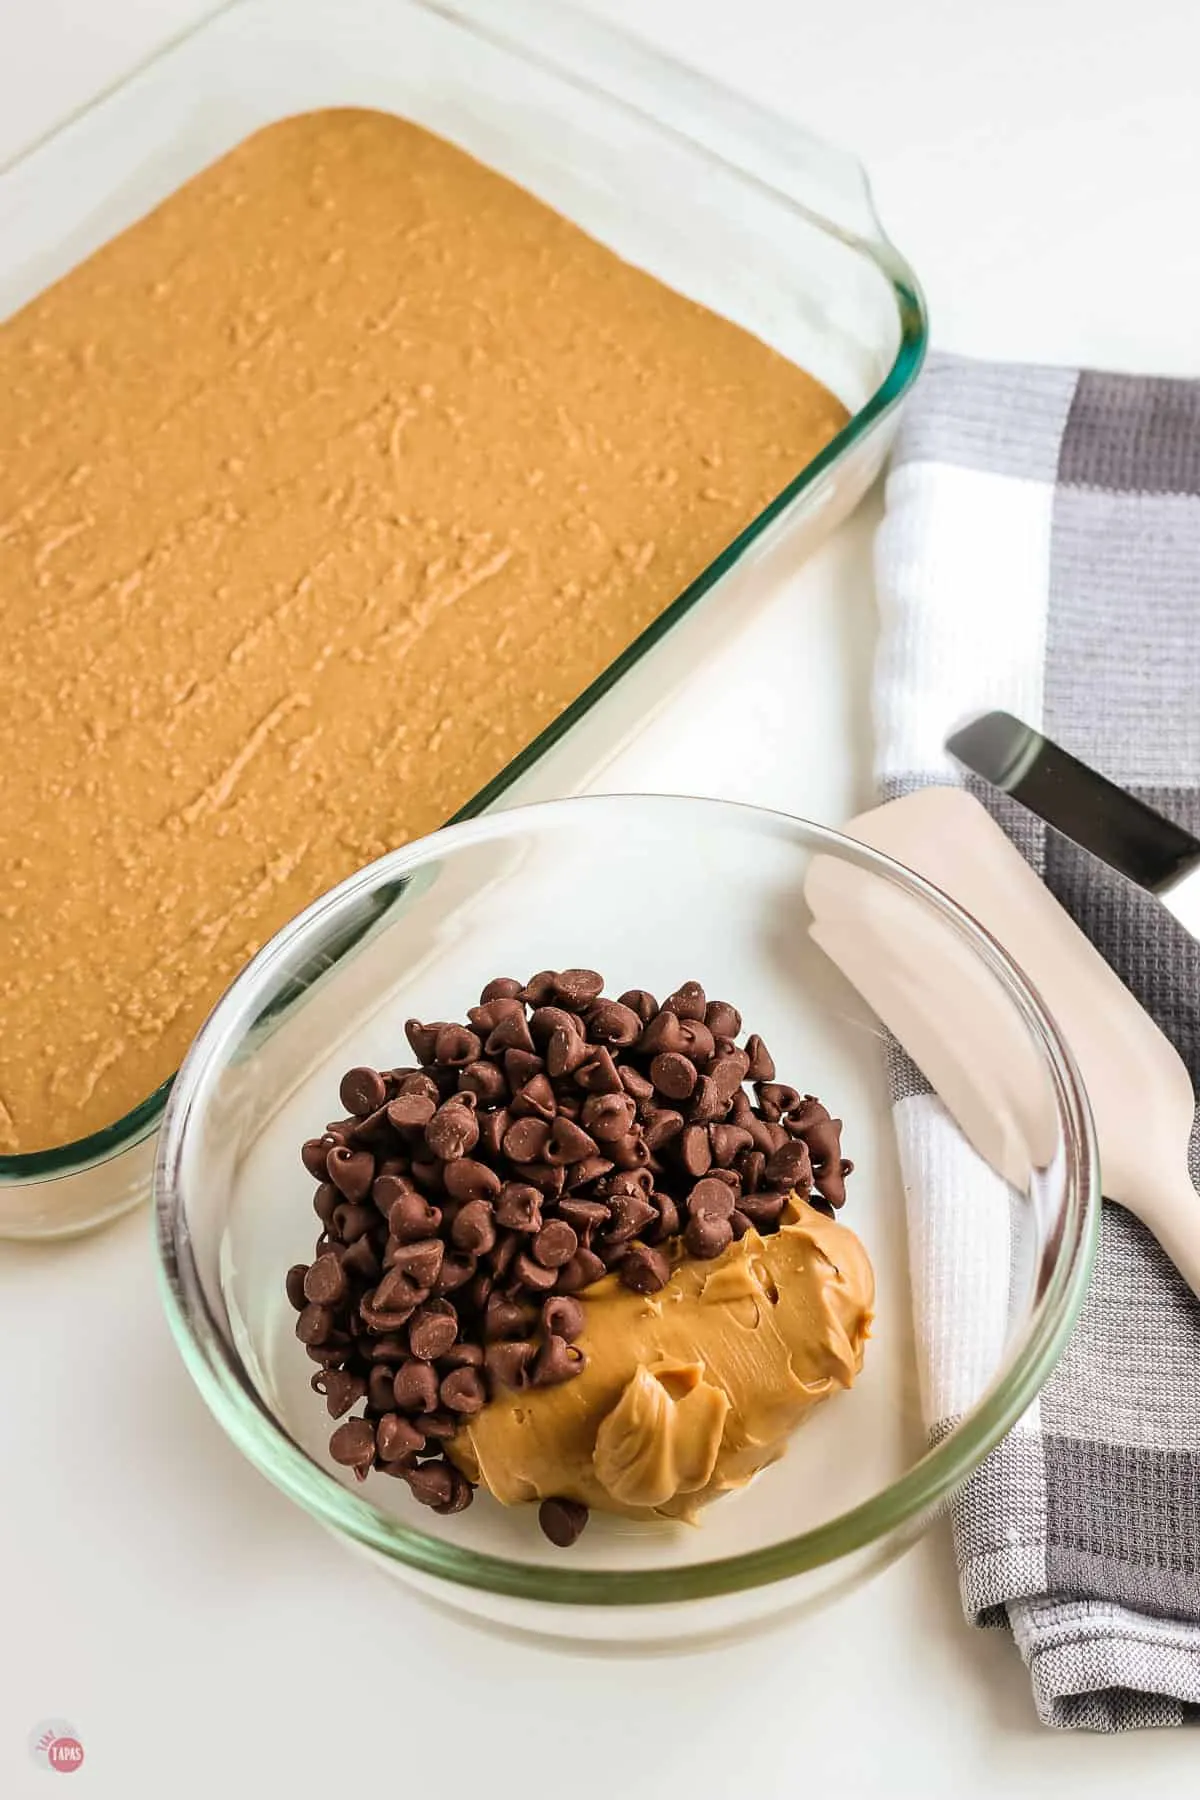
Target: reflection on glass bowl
(652, 892)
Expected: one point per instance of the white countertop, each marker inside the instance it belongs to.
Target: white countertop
(1038, 162)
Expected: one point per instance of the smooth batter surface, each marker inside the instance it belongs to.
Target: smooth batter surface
(689, 1392)
(322, 490)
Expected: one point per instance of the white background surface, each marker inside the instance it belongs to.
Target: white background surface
(1039, 163)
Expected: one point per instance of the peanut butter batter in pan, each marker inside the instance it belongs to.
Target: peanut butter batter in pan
(322, 490)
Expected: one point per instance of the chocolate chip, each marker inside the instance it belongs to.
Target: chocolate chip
(599, 1074)
(533, 1274)
(463, 1391)
(739, 1224)
(607, 1116)
(411, 1112)
(567, 1142)
(566, 1051)
(461, 1494)
(421, 1262)
(548, 1178)
(455, 1047)
(697, 1041)
(555, 1244)
(415, 1387)
(562, 1317)
(512, 1033)
(592, 1168)
(485, 1081)
(644, 1269)
(562, 1521)
(636, 1084)
(762, 1209)
(325, 1201)
(502, 988)
(519, 1207)
(325, 1284)
(575, 987)
(314, 1154)
(453, 1129)
(610, 1023)
(487, 1015)
(722, 1019)
(694, 1151)
(492, 1129)
(727, 1143)
(474, 1228)
(659, 1126)
(314, 1324)
(539, 988)
(440, 1426)
(412, 1219)
(707, 1105)
(432, 1483)
(673, 1074)
(507, 1362)
(526, 1139)
(707, 1235)
(505, 1318)
(557, 1361)
(353, 1444)
(351, 1171)
(455, 1272)
(341, 1390)
(397, 1437)
(353, 1220)
(641, 1001)
(362, 1091)
(631, 1213)
(546, 1020)
(466, 1179)
(295, 1286)
(761, 1068)
(663, 1035)
(586, 1216)
(433, 1330)
(380, 1393)
(688, 1001)
(422, 1038)
(712, 1197)
(584, 1268)
(727, 1073)
(535, 1100)
(790, 1167)
(398, 1295)
(668, 1219)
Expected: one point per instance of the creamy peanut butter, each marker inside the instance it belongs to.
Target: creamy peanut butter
(323, 489)
(689, 1392)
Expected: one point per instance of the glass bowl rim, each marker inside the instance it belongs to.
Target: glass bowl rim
(133, 1127)
(915, 1495)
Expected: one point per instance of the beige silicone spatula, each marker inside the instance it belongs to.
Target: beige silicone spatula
(1140, 1092)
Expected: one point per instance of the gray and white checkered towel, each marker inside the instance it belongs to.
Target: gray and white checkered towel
(1041, 552)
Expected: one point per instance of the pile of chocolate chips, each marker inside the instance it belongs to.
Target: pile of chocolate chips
(466, 1200)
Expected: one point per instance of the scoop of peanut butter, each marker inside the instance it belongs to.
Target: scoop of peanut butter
(691, 1391)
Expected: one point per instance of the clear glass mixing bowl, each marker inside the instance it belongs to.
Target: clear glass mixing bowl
(652, 892)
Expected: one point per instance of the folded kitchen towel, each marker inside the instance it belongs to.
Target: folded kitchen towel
(1040, 552)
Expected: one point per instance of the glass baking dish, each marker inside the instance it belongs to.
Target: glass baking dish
(729, 205)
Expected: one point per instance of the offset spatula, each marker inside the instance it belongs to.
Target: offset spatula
(1122, 831)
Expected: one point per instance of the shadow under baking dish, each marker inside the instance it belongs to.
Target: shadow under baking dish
(727, 204)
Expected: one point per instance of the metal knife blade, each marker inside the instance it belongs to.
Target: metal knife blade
(1121, 830)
